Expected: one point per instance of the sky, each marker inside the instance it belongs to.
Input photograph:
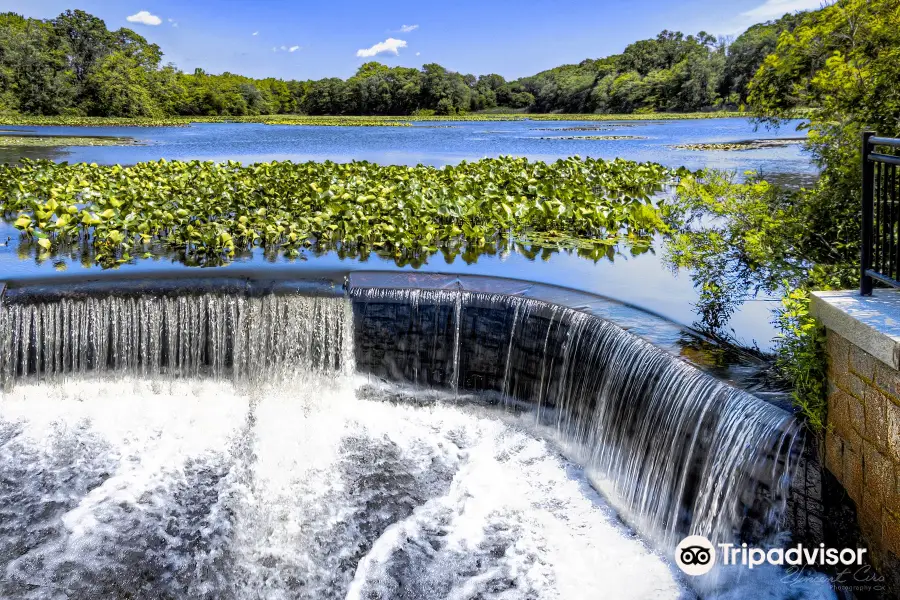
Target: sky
(299, 39)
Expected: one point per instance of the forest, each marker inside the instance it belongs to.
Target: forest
(73, 65)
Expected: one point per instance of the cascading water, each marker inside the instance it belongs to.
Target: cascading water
(185, 335)
(210, 445)
(676, 451)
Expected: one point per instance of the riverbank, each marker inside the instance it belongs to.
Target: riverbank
(346, 121)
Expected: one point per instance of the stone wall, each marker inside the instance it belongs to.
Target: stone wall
(862, 443)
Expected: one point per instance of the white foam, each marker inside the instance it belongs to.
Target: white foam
(297, 489)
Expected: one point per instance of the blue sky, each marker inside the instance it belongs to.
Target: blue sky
(296, 39)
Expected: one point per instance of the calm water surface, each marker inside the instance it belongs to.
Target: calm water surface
(644, 281)
(444, 143)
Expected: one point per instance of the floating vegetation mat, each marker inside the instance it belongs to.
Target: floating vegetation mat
(742, 145)
(59, 140)
(208, 211)
(594, 137)
(341, 121)
(587, 127)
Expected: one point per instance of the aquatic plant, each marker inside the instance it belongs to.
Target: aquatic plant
(742, 145)
(209, 211)
(341, 121)
(60, 140)
(594, 137)
(77, 121)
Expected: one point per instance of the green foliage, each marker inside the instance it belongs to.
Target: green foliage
(843, 62)
(748, 51)
(73, 65)
(121, 88)
(669, 73)
(208, 211)
(801, 357)
(743, 238)
(740, 239)
(732, 237)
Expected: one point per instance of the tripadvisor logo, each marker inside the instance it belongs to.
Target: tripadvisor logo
(695, 555)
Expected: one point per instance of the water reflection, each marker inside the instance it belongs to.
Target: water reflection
(448, 144)
(83, 252)
(14, 154)
(633, 274)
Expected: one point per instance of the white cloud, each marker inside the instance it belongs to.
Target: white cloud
(389, 45)
(408, 28)
(772, 9)
(286, 49)
(145, 18)
(255, 33)
(418, 53)
(170, 20)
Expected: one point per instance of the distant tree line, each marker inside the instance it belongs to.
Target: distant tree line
(74, 65)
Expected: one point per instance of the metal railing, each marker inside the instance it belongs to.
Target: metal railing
(880, 253)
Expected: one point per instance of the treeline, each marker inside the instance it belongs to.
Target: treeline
(73, 65)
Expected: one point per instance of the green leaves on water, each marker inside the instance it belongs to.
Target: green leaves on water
(210, 211)
(344, 120)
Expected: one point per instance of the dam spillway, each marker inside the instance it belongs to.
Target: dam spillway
(349, 445)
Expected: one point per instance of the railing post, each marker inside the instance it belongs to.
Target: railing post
(868, 213)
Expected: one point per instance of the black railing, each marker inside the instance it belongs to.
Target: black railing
(880, 252)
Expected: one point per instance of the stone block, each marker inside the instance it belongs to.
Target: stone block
(838, 379)
(857, 415)
(892, 416)
(838, 352)
(890, 534)
(853, 469)
(892, 499)
(839, 413)
(876, 405)
(878, 473)
(888, 381)
(382, 310)
(834, 454)
(855, 386)
(862, 363)
(870, 521)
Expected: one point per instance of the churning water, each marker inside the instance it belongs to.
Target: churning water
(200, 489)
(224, 446)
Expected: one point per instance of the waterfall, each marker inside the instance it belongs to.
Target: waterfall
(186, 335)
(677, 451)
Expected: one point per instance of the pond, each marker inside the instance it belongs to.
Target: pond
(644, 281)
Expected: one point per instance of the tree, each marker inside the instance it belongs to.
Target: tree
(122, 88)
(33, 67)
(748, 51)
(66, 65)
(87, 41)
(843, 64)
